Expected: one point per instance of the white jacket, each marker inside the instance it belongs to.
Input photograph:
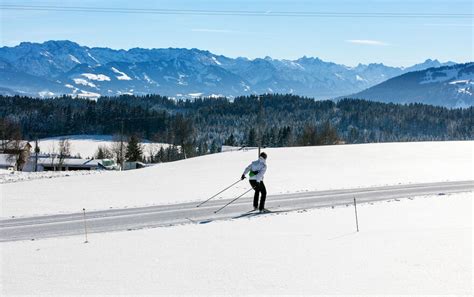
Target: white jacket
(259, 166)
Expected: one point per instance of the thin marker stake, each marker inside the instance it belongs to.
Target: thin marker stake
(85, 225)
(355, 207)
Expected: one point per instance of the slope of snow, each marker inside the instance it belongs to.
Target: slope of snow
(123, 76)
(410, 247)
(81, 81)
(74, 59)
(87, 145)
(88, 95)
(289, 170)
(216, 61)
(98, 77)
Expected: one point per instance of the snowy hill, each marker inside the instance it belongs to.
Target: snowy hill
(416, 246)
(450, 86)
(290, 170)
(64, 67)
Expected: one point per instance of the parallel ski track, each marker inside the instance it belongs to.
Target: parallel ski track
(29, 228)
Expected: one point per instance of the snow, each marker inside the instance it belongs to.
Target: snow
(408, 247)
(464, 91)
(74, 59)
(291, 170)
(181, 80)
(90, 56)
(46, 94)
(7, 176)
(245, 86)
(98, 77)
(89, 95)
(463, 81)
(216, 61)
(360, 78)
(81, 81)
(149, 80)
(195, 94)
(122, 76)
(87, 145)
(46, 54)
(433, 76)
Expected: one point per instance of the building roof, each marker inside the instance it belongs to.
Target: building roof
(6, 160)
(70, 162)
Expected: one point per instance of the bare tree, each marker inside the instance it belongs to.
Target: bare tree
(11, 143)
(64, 147)
(52, 155)
(118, 148)
(104, 152)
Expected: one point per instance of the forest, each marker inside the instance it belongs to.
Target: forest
(201, 126)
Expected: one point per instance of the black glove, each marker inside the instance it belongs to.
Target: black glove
(242, 177)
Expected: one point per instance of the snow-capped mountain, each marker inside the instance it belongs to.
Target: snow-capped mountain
(64, 67)
(451, 86)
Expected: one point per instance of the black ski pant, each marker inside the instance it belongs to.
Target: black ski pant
(259, 188)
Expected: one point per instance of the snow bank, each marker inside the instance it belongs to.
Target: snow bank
(7, 176)
(289, 170)
(413, 247)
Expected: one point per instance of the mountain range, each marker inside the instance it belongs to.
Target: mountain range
(450, 86)
(54, 68)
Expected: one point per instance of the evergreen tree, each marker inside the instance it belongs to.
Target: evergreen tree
(230, 141)
(252, 138)
(309, 136)
(134, 149)
(327, 135)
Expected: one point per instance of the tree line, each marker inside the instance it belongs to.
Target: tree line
(203, 125)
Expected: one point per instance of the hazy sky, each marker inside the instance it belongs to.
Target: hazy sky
(349, 40)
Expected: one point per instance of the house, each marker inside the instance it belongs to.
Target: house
(133, 165)
(16, 151)
(52, 163)
(7, 162)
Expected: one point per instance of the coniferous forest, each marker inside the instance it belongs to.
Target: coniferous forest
(203, 125)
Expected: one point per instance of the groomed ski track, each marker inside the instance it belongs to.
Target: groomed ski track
(29, 228)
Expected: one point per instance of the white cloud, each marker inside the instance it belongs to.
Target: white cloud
(367, 42)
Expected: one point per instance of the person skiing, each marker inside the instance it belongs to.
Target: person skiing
(256, 171)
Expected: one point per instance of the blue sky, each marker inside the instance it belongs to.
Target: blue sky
(392, 41)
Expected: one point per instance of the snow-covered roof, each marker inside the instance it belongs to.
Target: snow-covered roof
(67, 162)
(6, 161)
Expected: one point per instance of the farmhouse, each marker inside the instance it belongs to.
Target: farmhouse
(14, 154)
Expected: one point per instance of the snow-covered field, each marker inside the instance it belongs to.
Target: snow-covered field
(416, 246)
(7, 176)
(87, 145)
(289, 170)
(408, 247)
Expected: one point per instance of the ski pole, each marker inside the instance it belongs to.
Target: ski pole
(233, 200)
(219, 192)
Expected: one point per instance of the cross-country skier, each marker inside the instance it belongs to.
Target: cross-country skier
(257, 171)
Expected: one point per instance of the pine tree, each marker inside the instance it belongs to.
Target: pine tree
(230, 141)
(252, 138)
(134, 150)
